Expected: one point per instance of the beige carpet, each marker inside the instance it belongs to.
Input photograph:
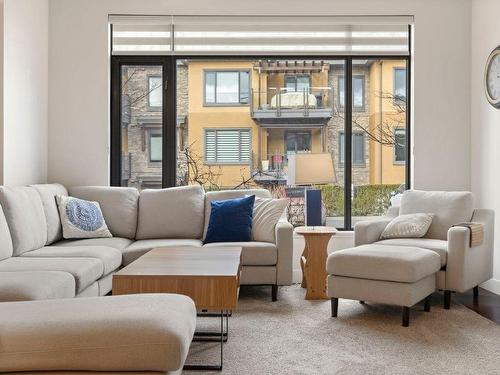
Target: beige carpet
(294, 336)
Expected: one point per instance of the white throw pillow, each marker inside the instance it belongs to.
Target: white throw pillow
(408, 226)
(266, 214)
(81, 218)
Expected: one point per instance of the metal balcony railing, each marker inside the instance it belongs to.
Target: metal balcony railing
(283, 102)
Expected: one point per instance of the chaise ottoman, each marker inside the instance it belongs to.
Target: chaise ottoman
(394, 275)
(146, 333)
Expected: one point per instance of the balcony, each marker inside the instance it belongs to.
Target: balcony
(277, 107)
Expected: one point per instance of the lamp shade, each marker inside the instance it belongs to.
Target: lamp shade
(310, 169)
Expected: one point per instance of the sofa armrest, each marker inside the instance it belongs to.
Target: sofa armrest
(466, 266)
(366, 232)
(284, 243)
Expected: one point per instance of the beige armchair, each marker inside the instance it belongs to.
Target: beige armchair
(462, 267)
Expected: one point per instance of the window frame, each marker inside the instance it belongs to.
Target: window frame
(363, 87)
(396, 100)
(169, 164)
(150, 134)
(215, 104)
(240, 129)
(153, 107)
(287, 132)
(295, 76)
(341, 148)
(394, 159)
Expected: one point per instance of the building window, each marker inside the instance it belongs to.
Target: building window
(400, 146)
(297, 141)
(297, 83)
(358, 148)
(358, 92)
(227, 87)
(400, 86)
(154, 92)
(155, 147)
(227, 146)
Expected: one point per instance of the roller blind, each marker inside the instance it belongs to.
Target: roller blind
(261, 35)
(227, 146)
(141, 35)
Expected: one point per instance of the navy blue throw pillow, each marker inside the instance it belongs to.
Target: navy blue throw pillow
(230, 220)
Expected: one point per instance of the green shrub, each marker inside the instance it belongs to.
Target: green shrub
(368, 200)
(372, 200)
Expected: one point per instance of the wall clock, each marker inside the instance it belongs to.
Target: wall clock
(492, 78)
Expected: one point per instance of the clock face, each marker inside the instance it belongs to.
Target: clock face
(492, 78)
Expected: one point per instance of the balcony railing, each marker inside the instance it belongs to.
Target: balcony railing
(281, 102)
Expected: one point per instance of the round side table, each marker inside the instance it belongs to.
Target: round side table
(313, 260)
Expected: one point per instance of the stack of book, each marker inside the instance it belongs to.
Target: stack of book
(476, 232)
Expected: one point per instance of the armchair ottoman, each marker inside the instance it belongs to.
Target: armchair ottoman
(462, 267)
(392, 275)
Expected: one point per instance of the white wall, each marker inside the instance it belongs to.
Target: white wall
(25, 91)
(485, 120)
(79, 79)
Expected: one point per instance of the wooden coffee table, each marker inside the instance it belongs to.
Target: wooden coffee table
(209, 276)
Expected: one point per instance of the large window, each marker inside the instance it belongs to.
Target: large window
(358, 148)
(358, 92)
(224, 146)
(225, 87)
(245, 96)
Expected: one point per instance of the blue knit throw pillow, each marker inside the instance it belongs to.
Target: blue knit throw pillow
(230, 220)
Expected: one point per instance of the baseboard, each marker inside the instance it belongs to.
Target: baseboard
(297, 276)
(493, 285)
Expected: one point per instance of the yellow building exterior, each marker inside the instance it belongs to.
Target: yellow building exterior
(316, 124)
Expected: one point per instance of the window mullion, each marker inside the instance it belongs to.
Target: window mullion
(348, 96)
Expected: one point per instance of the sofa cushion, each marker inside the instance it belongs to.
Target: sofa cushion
(110, 257)
(449, 207)
(266, 214)
(85, 270)
(141, 247)
(229, 194)
(230, 220)
(137, 333)
(5, 238)
(252, 253)
(35, 285)
(171, 213)
(382, 262)
(114, 242)
(23, 210)
(119, 206)
(48, 194)
(408, 226)
(141, 332)
(81, 218)
(438, 246)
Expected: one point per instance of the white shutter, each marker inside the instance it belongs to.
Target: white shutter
(261, 35)
(227, 146)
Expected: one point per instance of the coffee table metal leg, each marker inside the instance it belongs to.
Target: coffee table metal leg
(221, 337)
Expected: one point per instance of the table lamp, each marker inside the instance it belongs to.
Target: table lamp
(311, 169)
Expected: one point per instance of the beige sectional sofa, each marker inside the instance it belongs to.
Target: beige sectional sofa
(37, 263)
